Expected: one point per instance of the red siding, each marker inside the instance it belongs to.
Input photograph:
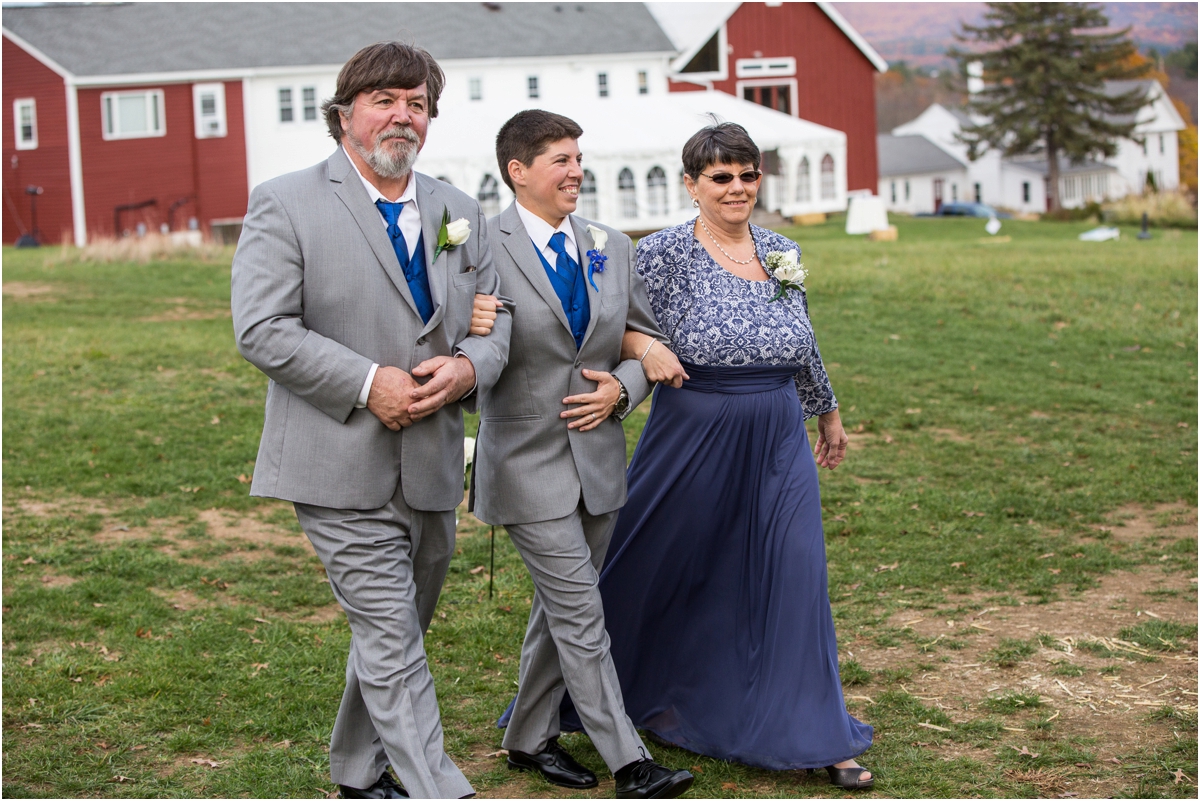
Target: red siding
(209, 174)
(836, 82)
(46, 166)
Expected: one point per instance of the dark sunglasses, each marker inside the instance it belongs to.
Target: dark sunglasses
(722, 178)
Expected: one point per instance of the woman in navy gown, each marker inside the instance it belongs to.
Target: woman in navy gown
(715, 585)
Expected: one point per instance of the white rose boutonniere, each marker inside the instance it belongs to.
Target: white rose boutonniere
(787, 269)
(596, 257)
(451, 234)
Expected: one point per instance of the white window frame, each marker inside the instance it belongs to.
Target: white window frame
(533, 89)
(110, 100)
(316, 104)
(291, 106)
(19, 104)
(475, 88)
(793, 90)
(764, 67)
(643, 82)
(217, 90)
(602, 84)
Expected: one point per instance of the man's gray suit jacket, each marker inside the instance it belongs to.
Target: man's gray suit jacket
(529, 467)
(318, 296)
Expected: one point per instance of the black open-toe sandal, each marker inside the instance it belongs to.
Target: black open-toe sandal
(850, 778)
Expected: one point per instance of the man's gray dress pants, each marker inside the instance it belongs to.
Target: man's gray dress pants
(566, 644)
(386, 567)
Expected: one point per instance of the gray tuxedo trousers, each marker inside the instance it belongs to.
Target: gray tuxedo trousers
(318, 296)
(557, 491)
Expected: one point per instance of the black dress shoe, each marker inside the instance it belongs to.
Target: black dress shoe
(648, 779)
(386, 787)
(556, 765)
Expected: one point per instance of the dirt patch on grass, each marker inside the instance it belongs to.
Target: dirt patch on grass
(951, 434)
(1084, 693)
(183, 313)
(1133, 523)
(23, 290)
(183, 600)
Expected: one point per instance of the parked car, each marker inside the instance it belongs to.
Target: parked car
(968, 210)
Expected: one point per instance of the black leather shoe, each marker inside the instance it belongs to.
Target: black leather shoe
(648, 779)
(386, 787)
(556, 765)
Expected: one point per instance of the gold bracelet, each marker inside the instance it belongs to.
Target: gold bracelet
(648, 347)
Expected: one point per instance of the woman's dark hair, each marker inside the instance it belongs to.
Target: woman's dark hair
(384, 65)
(719, 143)
(528, 134)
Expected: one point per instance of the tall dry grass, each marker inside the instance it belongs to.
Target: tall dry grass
(142, 250)
(1164, 209)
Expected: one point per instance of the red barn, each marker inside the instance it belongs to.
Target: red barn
(802, 59)
(114, 153)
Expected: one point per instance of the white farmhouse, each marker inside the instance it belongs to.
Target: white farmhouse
(916, 176)
(1019, 184)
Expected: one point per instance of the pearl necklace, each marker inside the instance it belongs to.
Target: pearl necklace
(723, 250)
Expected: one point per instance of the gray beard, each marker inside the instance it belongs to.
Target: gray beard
(388, 162)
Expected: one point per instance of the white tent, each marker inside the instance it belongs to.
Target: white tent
(632, 146)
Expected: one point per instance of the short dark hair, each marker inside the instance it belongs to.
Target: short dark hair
(384, 65)
(719, 143)
(528, 134)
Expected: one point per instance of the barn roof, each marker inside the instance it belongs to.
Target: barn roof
(913, 155)
(133, 38)
(691, 25)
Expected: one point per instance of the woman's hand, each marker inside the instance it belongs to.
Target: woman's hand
(831, 440)
(659, 363)
(594, 407)
(483, 316)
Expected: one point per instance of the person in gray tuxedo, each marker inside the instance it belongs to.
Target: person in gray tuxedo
(353, 288)
(550, 455)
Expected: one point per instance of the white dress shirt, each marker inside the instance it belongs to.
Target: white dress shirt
(410, 226)
(540, 232)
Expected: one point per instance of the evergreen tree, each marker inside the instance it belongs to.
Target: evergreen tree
(1044, 68)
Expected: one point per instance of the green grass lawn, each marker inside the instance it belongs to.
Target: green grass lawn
(167, 635)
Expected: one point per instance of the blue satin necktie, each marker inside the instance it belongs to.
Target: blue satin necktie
(414, 268)
(564, 265)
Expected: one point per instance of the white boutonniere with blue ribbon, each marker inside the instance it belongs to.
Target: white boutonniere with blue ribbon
(596, 257)
(451, 234)
(787, 269)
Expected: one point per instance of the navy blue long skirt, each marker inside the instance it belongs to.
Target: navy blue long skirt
(715, 586)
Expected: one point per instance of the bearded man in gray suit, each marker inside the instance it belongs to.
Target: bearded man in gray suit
(554, 477)
(353, 289)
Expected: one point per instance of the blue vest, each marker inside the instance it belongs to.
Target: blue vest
(573, 296)
(418, 279)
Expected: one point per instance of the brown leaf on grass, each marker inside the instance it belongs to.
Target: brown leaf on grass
(972, 514)
(260, 620)
(100, 682)
(143, 633)
(121, 779)
(29, 561)
(957, 564)
(256, 641)
(212, 763)
(28, 662)
(885, 568)
(475, 571)
(103, 745)
(77, 680)
(696, 769)
(98, 605)
(728, 785)
(1180, 776)
(1055, 571)
(283, 744)
(1046, 555)
(928, 725)
(501, 752)
(244, 479)
(139, 748)
(915, 506)
(1024, 751)
(854, 587)
(259, 666)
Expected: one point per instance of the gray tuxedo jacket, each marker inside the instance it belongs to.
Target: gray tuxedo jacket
(318, 296)
(528, 466)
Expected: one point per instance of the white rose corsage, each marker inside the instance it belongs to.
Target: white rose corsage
(451, 234)
(787, 269)
(596, 257)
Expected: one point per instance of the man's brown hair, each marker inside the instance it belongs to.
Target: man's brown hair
(384, 65)
(528, 134)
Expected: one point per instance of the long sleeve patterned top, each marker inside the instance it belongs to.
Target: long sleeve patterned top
(715, 318)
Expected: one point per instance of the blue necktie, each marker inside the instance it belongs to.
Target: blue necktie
(566, 267)
(414, 268)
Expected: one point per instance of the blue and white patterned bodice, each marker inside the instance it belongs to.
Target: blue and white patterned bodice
(715, 318)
